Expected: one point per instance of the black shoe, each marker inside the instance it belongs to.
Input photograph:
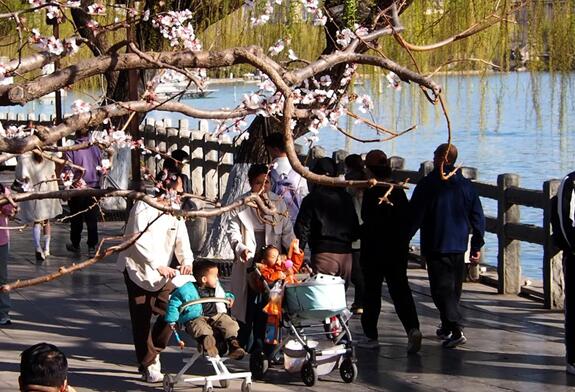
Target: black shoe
(73, 248)
(443, 333)
(40, 256)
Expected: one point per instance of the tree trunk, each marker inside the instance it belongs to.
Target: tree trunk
(217, 244)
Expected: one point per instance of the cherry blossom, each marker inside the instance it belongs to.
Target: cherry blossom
(277, 48)
(80, 106)
(252, 101)
(173, 27)
(53, 12)
(97, 9)
(3, 71)
(319, 19)
(393, 81)
(365, 103)
(291, 55)
(310, 5)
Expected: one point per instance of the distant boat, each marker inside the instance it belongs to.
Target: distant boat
(183, 88)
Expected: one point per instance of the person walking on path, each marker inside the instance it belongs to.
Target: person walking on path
(447, 211)
(355, 170)
(327, 221)
(248, 232)
(285, 181)
(84, 208)
(38, 174)
(384, 252)
(563, 221)
(147, 274)
(6, 211)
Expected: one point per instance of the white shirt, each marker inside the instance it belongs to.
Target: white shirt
(155, 248)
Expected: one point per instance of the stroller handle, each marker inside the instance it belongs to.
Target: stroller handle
(227, 301)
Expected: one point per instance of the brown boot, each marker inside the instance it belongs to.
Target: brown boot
(235, 350)
(209, 346)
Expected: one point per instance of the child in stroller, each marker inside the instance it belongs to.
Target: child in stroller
(202, 320)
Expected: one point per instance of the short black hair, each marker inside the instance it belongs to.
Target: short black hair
(201, 268)
(257, 169)
(354, 162)
(275, 140)
(43, 364)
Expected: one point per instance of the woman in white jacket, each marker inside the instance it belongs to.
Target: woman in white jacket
(248, 231)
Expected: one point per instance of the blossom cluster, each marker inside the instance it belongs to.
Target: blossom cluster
(53, 45)
(173, 27)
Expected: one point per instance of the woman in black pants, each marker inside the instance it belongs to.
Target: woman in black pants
(384, 251)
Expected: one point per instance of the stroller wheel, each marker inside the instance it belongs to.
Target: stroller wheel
(258, 365)
(308, 374)
(348, 370)
(168, 383)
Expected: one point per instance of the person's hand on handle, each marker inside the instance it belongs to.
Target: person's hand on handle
(186, 269)
(475, 256)
(167, 272)
(245, 255)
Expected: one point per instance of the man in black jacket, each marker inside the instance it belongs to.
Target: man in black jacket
(563, 221)
(447, 211)
(327, 221)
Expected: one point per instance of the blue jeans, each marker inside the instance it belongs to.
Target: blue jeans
(4, 297)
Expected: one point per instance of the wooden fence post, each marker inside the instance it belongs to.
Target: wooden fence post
(225, 162)
(553, 282)
(184, 143)
(210, 167)
(425, 168)
(508, 263)
(197, 162)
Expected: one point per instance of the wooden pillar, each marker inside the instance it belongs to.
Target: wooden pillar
(508, 263)
(425, 168)
(396, 163)
(211, 167)
(553, 282)
(197, 162)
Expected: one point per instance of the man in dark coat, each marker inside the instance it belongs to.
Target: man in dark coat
(563, 221)
(447, 210)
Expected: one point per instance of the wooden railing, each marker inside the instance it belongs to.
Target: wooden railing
(212, 160)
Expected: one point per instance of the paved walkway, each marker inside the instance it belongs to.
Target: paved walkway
(514, 344)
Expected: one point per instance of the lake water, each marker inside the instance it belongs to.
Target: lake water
(509, 123)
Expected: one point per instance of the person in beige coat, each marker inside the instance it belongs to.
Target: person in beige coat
(248, 231)
(148, 275)
(35, 173)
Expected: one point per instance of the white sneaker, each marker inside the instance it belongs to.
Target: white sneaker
(153, 373)
(370, 344)
(570, 369)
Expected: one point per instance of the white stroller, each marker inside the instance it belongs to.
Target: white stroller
(306, 306)
(222, 374)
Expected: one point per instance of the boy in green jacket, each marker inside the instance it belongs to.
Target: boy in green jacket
(200, 320)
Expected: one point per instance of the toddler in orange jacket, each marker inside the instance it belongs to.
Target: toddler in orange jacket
(274, 266)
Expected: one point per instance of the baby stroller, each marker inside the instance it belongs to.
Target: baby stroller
(222, 374)
(312, 346)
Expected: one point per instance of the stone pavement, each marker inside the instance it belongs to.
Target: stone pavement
(514, 344)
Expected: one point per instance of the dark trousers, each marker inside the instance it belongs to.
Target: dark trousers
(149, 341)
(357, 279)
(569, 275)
(446, 273)
(337, 264)
(391, 266)
(251, 333)
(90, 216)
